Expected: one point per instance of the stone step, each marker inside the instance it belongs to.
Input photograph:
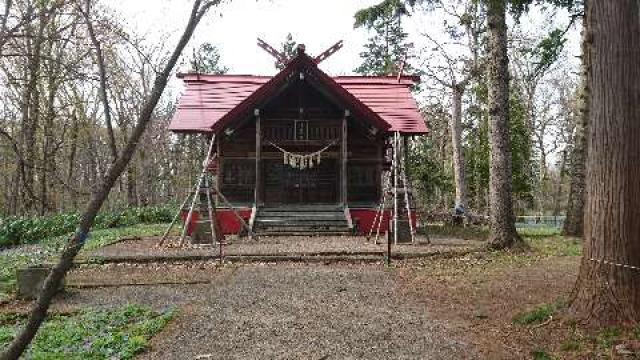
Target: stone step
(262, 213)
(300, 221)
(303, 233)
(296, 208)
(305, 227)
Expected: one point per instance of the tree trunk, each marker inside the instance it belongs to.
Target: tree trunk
(72, 157)
(607, 291)
(132, 193)
(102, 72)
(31, 112)
(574, 222)
(52, 283)
(560, 185)
(456, 144)
(501, 220)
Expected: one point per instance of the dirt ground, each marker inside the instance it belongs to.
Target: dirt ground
(459, 307)
(479, 295)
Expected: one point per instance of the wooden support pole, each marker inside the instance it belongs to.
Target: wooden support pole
(405, 185)
(396, 140)
(203, 174)
(380, 217)
(343, 158)
(175, 218)
(217, 181)
(233, 210)
(258, 188)
(212, 214)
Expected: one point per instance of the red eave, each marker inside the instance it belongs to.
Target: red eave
(212, 102)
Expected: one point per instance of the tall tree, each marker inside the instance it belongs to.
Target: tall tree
(206, 60)
(387, 48)
(608, 287)
(102, 72)
(456, 74)
(574, 223)
(288, 49)
(501, 219)
(52, 283)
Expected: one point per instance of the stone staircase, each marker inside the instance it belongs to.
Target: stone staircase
(302, 220)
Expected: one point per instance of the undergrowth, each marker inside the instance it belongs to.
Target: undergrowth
(539, 314)
(91, 334)
(471, 232)
(27, 230)
(47, 250)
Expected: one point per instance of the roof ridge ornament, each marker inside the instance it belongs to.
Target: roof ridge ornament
(282, 59)
(330, 51)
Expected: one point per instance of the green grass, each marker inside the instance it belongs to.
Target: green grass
(92, 334)
(571, 345)
(555, 246)
(608, 336)
(457, 231)
(540, 354)
(539, 231)
(538, 315)
(49, 249)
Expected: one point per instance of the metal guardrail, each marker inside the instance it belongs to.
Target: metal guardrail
(540, 221)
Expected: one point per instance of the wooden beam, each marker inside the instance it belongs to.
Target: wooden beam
(343, 159)
(258, 188)
(330, 51)
(280, 57)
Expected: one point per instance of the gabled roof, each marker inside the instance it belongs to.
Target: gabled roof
(212, 102)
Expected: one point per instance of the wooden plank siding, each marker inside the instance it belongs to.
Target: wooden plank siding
(281, 184)
(301, 121)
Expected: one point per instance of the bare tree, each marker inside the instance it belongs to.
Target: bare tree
(455, 73)
(99, 60)
(40, 308)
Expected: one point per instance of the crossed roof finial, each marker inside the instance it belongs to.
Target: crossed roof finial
(284, 60)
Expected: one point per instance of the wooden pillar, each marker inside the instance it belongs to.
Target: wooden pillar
(258, 188)
(405, 154)
(343, 160)
(379, 162)
(218, 178)
(396, 159)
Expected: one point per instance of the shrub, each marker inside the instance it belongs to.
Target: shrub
(24, 230)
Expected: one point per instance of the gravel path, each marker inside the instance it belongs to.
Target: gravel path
(287, 311)
(289, 245)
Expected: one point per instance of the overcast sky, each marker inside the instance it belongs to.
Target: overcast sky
(235, 25)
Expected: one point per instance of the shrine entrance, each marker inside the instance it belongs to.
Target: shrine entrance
(287, 185)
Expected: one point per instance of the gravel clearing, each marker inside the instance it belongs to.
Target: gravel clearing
(278, 311)
(284, 245)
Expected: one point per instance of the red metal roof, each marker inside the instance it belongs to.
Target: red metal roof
(211, 102)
